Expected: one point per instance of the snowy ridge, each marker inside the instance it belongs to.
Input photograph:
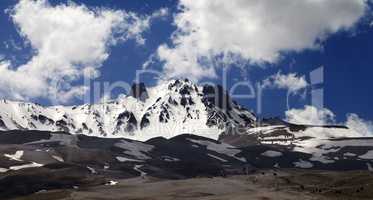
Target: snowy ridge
(169, 109)
(323, 145)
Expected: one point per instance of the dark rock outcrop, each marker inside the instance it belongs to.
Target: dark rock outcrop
(138, 91)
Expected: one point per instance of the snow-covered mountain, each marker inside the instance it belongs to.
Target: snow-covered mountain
(169, 109)
(142, 135)
(326, 146)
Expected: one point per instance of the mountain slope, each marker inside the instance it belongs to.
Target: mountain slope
(174, 107)
(34, 161)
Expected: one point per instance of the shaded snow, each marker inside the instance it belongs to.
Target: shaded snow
(370, 168)
(270, 153)
(58, 158)
(217, 158)
(111, 182)
(135, 149)
(348, 154)
(221, 148)
(320, 148)
(367, 156)
(16, 156)
(303, 164)
(92, 170)
(137, 168)
(170, 159)
(31, 165)
(3, 170)
(123, 159)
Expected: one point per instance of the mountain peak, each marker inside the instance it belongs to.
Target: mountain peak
(168, 109)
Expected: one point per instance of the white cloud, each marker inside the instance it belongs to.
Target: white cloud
(291, 82)
(67, 39)
(310, 115)
(220, 32)
(357, 127)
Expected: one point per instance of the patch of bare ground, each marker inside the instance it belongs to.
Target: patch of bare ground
(262, 185)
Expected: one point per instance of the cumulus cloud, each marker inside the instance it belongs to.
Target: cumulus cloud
(220, 32)
(68, 40)
(292, 82)
(310, 115)
(357, 127)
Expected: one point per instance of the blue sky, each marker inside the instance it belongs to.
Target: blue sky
(338, 39)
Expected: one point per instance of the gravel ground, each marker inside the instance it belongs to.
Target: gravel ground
(262, 185)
